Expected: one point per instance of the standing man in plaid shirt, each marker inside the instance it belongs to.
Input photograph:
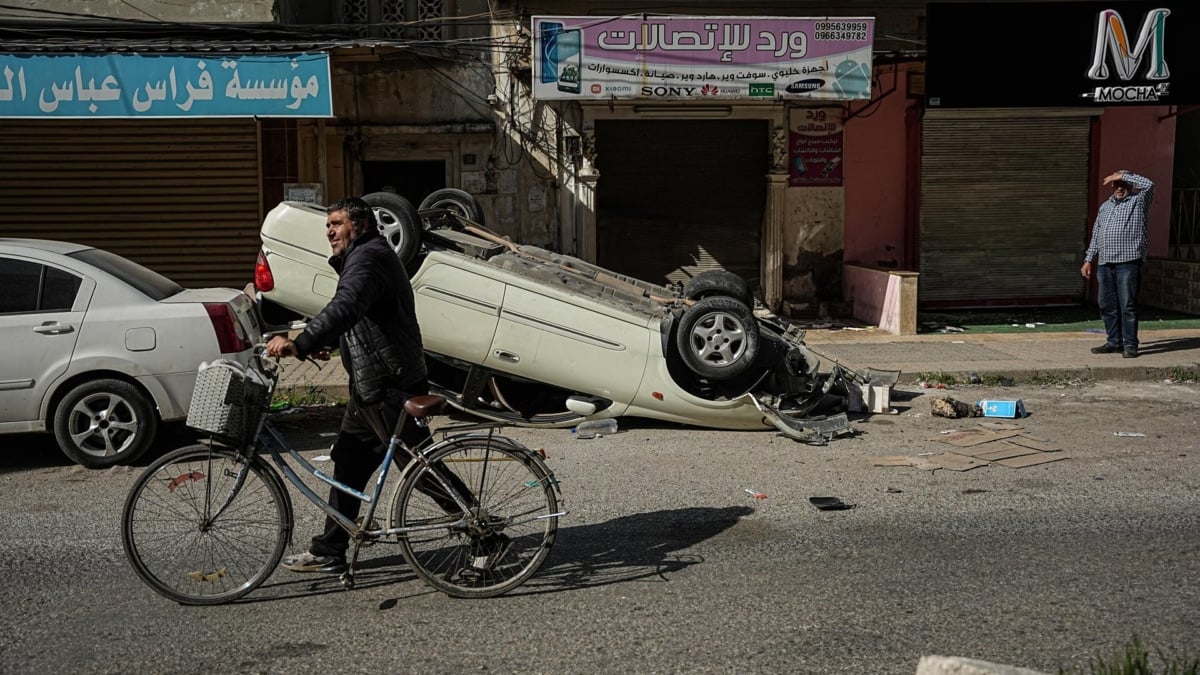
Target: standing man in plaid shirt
(1115, 255)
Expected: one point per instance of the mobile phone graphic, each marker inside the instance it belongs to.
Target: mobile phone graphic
(570, 61)
(550, 31)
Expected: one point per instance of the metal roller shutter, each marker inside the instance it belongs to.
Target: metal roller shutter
(1004, 207)
(181, 198)
(677, 197)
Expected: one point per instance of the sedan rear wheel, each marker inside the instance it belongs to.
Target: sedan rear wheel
(718, 282)
(104, 422)
(458, 202)
(398, 222)
(718, 338)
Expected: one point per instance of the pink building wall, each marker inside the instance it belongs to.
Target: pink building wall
(876, 184)
(1135, 139)
(876, 140)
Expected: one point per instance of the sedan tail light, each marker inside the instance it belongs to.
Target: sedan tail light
(230, 336)
(263, 279)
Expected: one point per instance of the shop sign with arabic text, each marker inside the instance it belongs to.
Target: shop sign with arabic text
(826, 59)
(137, 85)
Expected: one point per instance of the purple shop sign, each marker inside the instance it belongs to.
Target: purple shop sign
(702, 57)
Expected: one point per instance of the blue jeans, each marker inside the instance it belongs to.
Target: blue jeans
(1119, 284)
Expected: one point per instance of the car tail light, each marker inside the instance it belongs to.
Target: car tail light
(230, 337)
(263, 279)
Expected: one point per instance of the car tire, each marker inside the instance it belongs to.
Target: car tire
(102, 423)
(718, 338)
(398, 223)
(719, 282)
(457, 201)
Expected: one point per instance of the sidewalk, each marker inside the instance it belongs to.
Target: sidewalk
(1021, 357)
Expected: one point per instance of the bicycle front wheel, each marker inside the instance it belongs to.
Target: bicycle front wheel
(504, 536)
(196, 536)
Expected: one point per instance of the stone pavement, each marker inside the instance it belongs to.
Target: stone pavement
(1022, 357)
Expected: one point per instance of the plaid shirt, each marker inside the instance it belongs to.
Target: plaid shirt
(1119, 234)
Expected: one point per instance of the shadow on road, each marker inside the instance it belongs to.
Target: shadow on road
(630, 548)
(643, 546)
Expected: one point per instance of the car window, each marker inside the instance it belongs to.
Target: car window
(20, 280)
(32, 287)
(58, 290)
(150, 283)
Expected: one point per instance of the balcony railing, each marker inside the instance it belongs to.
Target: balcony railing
(1185, 224)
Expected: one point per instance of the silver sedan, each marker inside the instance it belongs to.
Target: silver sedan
(99, 350)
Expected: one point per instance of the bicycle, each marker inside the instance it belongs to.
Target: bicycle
(475, 513)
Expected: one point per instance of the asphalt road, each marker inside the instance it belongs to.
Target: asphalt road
(666, 564)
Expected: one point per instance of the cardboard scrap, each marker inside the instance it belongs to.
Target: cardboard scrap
(1031, 460)
(956, 462)
(1032, 443)
(1007, 452)
(889, 460)
(1000, 426)
(965, 439)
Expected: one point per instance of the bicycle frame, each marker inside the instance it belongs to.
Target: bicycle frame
(274, 440)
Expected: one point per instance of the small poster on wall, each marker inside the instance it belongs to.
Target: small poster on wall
(815, 147)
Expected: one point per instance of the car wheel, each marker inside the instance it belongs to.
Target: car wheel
(718, 282)
(456, 201)
(104, 422)
(718, 338)
(398, 223)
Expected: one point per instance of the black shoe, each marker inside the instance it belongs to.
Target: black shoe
(307, 562)
(1130, 353)
(1106, 349)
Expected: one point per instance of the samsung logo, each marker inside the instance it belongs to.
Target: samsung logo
(803, 86)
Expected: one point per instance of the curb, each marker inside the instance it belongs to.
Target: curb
(1042, 376)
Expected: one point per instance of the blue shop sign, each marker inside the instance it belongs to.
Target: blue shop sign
(59, 86)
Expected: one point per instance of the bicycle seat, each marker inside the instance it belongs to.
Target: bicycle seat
(421, 406)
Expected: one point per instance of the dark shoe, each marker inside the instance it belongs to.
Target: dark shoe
(1106, 349)
(307, 562)
(1130, 353)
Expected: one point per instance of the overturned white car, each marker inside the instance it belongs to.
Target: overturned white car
(522, 335)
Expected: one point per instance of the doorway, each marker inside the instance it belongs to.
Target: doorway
(413, 180)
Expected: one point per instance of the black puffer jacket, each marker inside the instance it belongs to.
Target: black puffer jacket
(373, 316)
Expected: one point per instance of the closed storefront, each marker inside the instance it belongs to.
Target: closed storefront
(677, 197)
(178, 196)
(1003, 206)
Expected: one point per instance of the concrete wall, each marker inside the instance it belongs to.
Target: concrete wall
(191, 11)
(1171, 284)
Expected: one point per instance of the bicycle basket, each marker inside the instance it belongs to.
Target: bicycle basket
(226, 402)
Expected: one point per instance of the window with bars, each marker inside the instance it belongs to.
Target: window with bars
(396, 19)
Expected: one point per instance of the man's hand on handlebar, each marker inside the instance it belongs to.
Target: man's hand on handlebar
(281, 346)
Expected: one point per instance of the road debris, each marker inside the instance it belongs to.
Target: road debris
(756, 494)
(1003, 408)
(829, 503)
(948, 407)
(1128, 434)
(1007, 445)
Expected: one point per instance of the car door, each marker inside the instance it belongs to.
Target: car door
(457, 310)
(41, 311)
(579, 346)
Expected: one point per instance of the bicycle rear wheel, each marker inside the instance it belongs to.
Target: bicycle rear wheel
(190, 540)
(502, 540)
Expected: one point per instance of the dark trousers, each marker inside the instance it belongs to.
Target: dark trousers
(358, 452)
(1118, 285)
